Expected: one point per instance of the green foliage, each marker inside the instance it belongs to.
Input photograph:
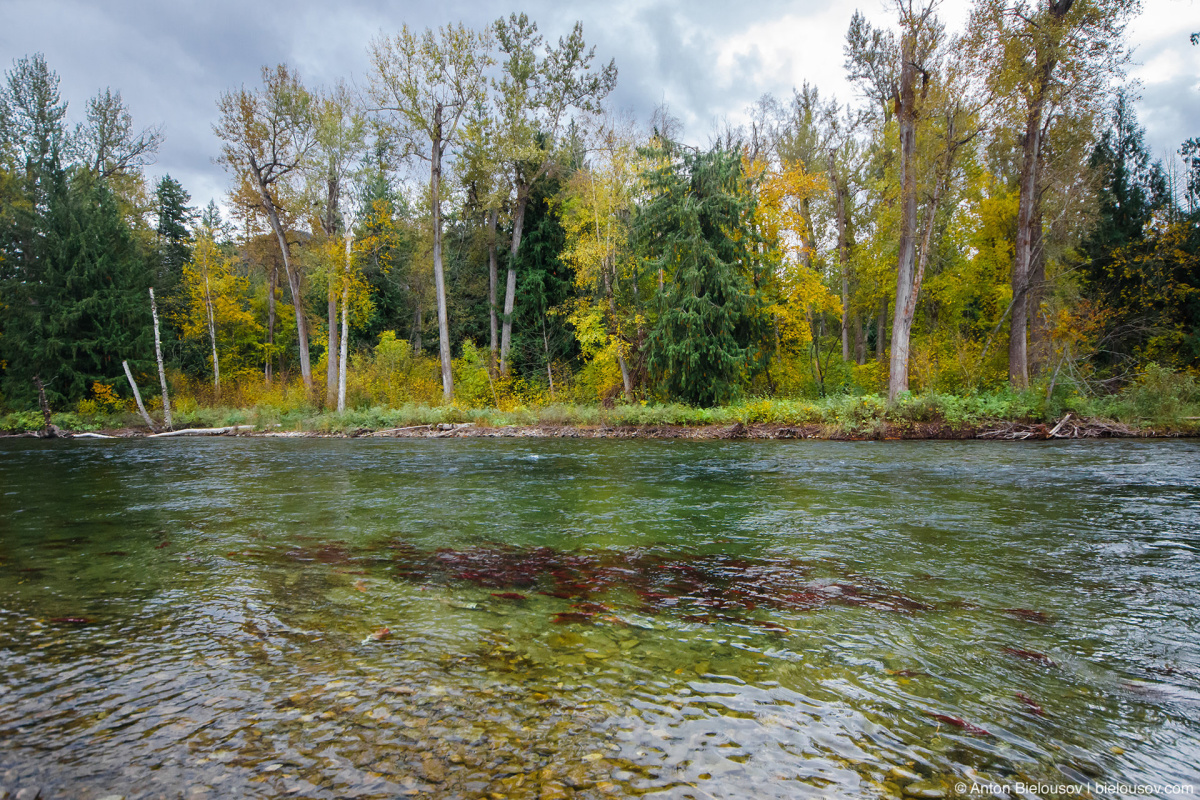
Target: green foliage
(472, 383)
(544, 282)
(695, 229)
(1159, 396)
(76, 302)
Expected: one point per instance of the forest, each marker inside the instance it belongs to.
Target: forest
(474, 226)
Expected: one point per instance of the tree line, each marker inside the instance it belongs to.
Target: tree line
(983, 213)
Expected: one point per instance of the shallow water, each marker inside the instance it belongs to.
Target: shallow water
(594, 618)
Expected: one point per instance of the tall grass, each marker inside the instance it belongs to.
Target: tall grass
(394, 388)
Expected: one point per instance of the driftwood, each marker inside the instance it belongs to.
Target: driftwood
(1054, 433)
(397, 430)
(444, 429)
(1068, 427)
(138, 396)
(200, 431)
(90, 435)
(449, 429)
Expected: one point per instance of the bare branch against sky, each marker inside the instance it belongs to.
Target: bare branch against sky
(707, 61)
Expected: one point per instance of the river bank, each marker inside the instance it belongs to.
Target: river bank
(1069, 427)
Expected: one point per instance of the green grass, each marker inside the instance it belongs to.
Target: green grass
(1160, 400)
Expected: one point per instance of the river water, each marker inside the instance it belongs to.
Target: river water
(553, 618)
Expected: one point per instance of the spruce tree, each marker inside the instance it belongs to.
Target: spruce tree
(85, 307)
(704, 344)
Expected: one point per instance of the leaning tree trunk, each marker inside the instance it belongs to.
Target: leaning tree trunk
(293, 279)
(510, 288)
(439, 275)
(137, 396)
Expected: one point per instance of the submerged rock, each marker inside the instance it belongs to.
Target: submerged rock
(902, 776)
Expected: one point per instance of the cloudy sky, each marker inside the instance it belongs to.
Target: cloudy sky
(706, 59)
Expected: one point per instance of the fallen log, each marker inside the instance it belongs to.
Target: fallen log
(397, 430)
(201, 431)
(1058, 427)
(90, 435)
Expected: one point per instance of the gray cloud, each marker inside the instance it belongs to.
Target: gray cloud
(706, 60)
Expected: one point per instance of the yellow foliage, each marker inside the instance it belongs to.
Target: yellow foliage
(781, 214)
(799, 291)
(218, 296)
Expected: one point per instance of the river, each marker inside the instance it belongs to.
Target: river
(557, 618)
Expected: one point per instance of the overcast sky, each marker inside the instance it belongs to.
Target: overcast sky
(706, 60)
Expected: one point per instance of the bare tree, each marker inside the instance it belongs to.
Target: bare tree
(267, 135)
(426, 84)
(536, 96)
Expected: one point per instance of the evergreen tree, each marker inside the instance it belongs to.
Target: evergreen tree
(173, 250)
(544, 282)
(695, 230)
(1131, 190)
(174, 217)
(83, 307)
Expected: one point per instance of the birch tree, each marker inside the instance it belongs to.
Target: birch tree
(424, 85)
(267, 134)
(339, 143)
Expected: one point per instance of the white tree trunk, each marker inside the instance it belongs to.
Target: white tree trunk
(162, 373)
(492, 280)
(341, 406)
(212, 335)
(137, 396)
(510, 288)
(439, 274)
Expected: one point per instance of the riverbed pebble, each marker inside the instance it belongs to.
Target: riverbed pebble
(901, 775)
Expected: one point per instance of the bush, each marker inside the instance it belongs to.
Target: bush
(1160, 396)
